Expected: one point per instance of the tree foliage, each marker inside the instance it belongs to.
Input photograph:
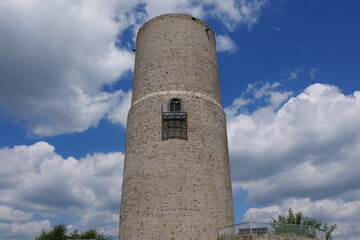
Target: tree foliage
(299, 219)
(59, 232)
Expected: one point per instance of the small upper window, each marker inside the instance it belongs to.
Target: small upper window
(175, 105)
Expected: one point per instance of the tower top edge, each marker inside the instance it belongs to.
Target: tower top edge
(168, 16)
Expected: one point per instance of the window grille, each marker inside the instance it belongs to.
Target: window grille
(175, 105)
(174, 120)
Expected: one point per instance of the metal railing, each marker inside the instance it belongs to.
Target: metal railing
(259, 228)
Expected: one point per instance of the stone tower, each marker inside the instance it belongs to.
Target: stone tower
(176, 182)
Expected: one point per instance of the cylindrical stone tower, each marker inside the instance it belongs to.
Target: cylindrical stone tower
(176, 182)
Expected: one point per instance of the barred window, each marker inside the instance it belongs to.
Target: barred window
(174, 120)
(175, 105)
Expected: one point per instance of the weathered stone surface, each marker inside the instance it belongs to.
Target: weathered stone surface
(176, 189)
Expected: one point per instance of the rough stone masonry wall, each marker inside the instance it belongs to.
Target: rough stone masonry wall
(176, 189)
(176, 52)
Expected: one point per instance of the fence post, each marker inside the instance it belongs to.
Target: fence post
(250, 228)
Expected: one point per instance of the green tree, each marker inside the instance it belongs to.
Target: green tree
(93, 234)
(299, 219)
(59, 232)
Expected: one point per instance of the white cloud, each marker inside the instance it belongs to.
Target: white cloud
(301, 73)
(295, 73)
(55, 58)
(268, 92)
(325, 209)
(278, 29)
(158, 7)
(234, 13)
(109, 221)
(77, 113)
(26, 230)
(231, 13)
(225, 44)
(303, 154)
(118, 114)
(344, 214)
(36, 180)
(8, 214)
(17, 224)
(314, 135)
(312, 72)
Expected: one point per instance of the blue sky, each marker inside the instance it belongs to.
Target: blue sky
(289, 73)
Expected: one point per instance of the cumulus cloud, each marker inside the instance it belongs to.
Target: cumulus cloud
(325, 209)
(154, 8)
(9, 214)
(225, 44)
(314, 135)
(78, 112)
(344, 214)
(303, 154)
(22, 230)
(255, 93)
(232, 13)
(55, 58)
(118, 114)
(35, 179)
(108, 224)
(17, 224)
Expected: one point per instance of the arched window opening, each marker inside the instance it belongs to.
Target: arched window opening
(175, 105)
(174, 120)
